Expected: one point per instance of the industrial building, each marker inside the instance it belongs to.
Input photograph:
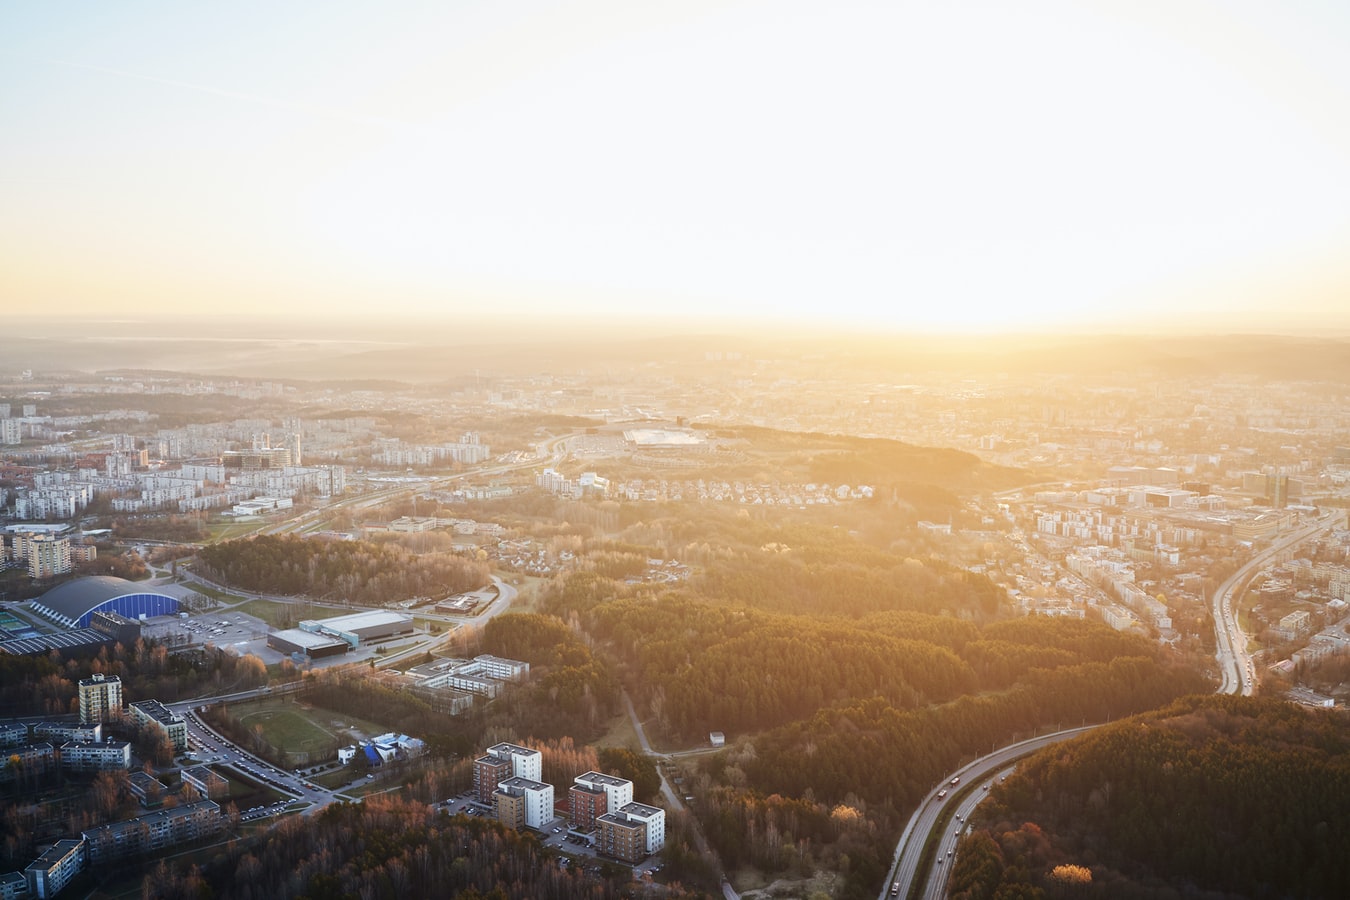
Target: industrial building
(74, 603)
(307, 643)
(363, 627)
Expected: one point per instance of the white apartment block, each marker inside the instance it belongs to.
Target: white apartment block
(11, 431)
(525, 762)
(78, 756)
(52, 871)
(537, 797)
(618, 791)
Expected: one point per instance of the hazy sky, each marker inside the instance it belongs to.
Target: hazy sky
(900, 164)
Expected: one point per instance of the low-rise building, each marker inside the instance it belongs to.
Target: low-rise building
(52, 871)
(206, 784)
(153, 831)
(81, 756)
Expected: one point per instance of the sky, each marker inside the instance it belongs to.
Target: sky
(906, 166)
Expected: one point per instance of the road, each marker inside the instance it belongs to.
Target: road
(905, 866)
(1236, 671)
(1236, 676)
(674, 800)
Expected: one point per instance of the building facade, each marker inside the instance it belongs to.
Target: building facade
(100, 698)
(53, 870)
(153, 714)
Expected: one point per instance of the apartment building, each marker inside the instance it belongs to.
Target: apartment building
(153, 831)
(594, 794)
(80, 756)
(205, 783)
(100, 698)
(503, 761)
(154, 714)
(523, 803)
(632, 832)
(52, 871)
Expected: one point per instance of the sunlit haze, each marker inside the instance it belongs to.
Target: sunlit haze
(923, 167)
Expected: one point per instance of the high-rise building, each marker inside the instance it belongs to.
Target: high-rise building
(522, 802)
(48, 556)
(11, 431)
(100, 698)
(501, 762)
(632, 832)
(594, 794)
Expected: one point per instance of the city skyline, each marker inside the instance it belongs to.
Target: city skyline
(1139, 167)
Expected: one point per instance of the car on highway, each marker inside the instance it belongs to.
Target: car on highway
(955, 781)
(942, 794)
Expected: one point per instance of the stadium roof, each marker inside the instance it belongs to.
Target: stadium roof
(74, 601)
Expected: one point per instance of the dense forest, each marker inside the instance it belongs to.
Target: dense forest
(389, 849)
(1210, 796)
(838, 721)
(356, 571)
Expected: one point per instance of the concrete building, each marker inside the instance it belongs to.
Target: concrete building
(501, 762)
(11, 431)
(79, 756)
(100, 698)
(524, 802)
(148, 789)
(205, 783)
(52, 871)
(48, 556)
(632, 832)
(13, 886)
(153, 831)
(593, 795)
(152, 713)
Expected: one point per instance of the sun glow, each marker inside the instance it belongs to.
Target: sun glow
(913, 167)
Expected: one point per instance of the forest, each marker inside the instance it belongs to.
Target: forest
(1211, 795)
(359, 572)
(839, 720)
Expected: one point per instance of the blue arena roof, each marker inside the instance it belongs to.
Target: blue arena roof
(73, 603)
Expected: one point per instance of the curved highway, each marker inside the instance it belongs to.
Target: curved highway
(1236, 676)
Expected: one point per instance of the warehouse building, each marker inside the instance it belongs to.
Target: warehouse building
(362, 628)
(315, 646)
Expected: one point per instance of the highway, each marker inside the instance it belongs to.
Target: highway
(905, 868)
(1236, 671)
(1237, 675)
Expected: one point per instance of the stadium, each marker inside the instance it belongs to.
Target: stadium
(74, 603)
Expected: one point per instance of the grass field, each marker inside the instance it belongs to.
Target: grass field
(294, 727)
(290, 730)
(226, 531)
(278, 615)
